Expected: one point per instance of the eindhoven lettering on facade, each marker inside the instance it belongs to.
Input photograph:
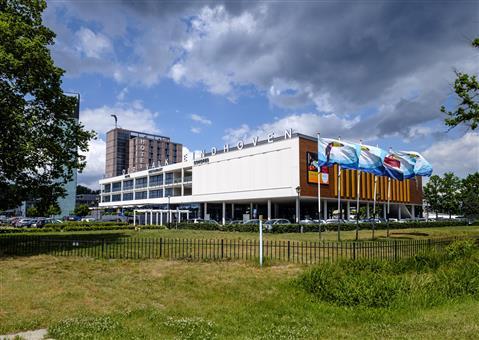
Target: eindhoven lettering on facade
(270, 138)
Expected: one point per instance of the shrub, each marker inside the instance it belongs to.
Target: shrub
(460, 249)
(423, 280)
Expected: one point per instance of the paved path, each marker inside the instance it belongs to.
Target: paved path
(38, 334)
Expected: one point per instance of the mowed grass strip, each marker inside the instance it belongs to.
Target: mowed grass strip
(364, 234)
(151, 299)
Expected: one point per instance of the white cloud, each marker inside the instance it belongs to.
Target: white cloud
(195, 130)
(460, 156)
(93, 45)
(132, 116)
(328, 125)
(200, 119)
(123, 93)
(95, 168)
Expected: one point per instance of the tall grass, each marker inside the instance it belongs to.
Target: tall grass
(423, 280)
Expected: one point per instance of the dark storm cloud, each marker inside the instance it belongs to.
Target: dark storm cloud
(342, 57)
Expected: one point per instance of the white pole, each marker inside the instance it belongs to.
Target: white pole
(319, 185)
(261, 242)
(339, 202)
(146, 218)
(374, 203)
(134, 217)
(161, 217)
(151, 217)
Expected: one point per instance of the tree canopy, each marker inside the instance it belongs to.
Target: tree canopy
(40, 139)
(466, 88)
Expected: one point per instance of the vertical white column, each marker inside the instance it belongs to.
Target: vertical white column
(156, 218)
(187, 215)
(223, 215)
(182, 181)
(205, 209)
(161, 217)
(146, 218)
(178, 217)
(413, 212)
(348, 210)
(151, 217)
(134, 217)
(384, 210)
(399, 212)
(325, 209)
(269, 210)
(367, 210)
(297, 210)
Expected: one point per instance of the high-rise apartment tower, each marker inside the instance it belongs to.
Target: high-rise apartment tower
(129, 151)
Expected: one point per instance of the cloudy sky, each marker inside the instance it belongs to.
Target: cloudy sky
(205, 73)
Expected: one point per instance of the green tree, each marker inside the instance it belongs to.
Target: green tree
(432, 194)
(467, 90)
(32, 212)
(450, 188)
(53, 210)
(41, 140)
(469, 195)
(81, 210)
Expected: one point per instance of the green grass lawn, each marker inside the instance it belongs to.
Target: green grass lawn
(365, 234)
(154, 299)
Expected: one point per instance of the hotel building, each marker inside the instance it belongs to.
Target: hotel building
(130, 151)
(273, 177)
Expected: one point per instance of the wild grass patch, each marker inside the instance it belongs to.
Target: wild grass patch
(423, 280)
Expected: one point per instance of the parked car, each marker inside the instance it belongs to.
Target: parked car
(202, 221)
(114, 218)
(236, 222)
(307, 221)
(71, 218)
(88, 219)
(268, 225)
(24, 222)
(253, 221)
(38, 222)
(334, 220)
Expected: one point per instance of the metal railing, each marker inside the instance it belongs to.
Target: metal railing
(303, 252)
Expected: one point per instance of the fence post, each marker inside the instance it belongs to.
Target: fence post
(354, 250)
(395, 250)
(222, 248)
(161, 247)
(429, 242)
(289, 249)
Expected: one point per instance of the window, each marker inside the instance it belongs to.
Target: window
(141, 182)
(106, 198)
(106, 187)
(141, 195)
(116, 186)
(116, 198)
(169, 178)
(156, 180)
(156, 193)
(168, 192)
(128, 185)
(128, 196)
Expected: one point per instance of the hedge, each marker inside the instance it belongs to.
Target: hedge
(296, 228)
(277, 228)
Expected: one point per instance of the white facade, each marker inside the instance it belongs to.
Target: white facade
(262, 170)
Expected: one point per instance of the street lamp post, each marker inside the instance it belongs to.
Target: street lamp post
(298, 211)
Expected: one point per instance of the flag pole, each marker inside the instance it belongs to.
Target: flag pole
(339, 200)
(374, 203)
(319, 196)
(389, 198)
(357, 199)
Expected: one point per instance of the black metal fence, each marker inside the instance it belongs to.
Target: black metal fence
(216, 249)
